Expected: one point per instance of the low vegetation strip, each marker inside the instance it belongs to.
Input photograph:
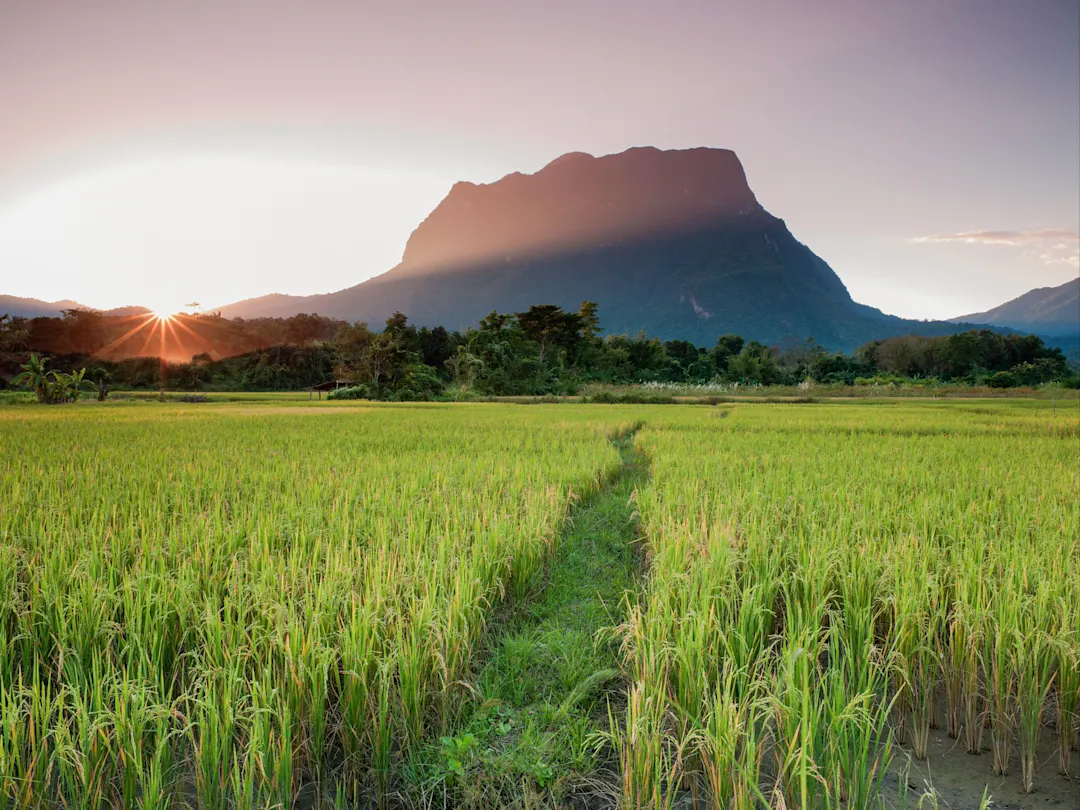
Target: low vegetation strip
(528, 736)
(829, 586)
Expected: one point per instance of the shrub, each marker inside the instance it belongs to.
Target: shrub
(352, 392)
(1002, 379)
(421, 384)
(880, 379)
(1037, 372)
(194, 398)
(631, 398)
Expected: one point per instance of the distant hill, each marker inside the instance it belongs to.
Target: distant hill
(126, 311)
(671, 242)
(274, 305)
(1044, 311)
(33, 308)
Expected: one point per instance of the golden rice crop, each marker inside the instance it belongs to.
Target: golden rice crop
(820, 576)
(230, 604)
(246, 606)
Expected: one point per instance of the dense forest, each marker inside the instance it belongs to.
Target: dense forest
(544, 350)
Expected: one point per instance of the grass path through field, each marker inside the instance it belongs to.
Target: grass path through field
(528, 736)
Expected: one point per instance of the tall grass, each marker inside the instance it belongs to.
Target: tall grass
(893, 561)
(237, 607)
(255, 607)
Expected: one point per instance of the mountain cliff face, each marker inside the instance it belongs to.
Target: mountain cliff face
(670, 242)
(1046, 311)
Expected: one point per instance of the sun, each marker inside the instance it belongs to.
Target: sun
(167, 310)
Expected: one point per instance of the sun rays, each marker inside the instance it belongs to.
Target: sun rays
(162, 333)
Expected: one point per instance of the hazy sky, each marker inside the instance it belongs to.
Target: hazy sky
(159, 153)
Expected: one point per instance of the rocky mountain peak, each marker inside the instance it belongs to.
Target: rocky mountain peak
(579, 201)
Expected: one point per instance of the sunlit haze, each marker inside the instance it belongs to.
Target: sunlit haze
(167, 232)
(210, 152)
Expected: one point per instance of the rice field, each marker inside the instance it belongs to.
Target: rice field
(276, 605)
(828, 583)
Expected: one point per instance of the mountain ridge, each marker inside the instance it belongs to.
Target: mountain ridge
(674, 243)
(19, 306)
(1045, 310)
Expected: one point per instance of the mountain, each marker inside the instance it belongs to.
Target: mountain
(671, 242)
(33, 308)
(1044, 311)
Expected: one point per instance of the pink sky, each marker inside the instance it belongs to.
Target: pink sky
(218, 150)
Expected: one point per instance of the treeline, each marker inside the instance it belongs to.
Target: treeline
(114, 337)
(544, 350)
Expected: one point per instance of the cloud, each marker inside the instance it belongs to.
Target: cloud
(1072, 259)
(1049, 246)
(1061, 236)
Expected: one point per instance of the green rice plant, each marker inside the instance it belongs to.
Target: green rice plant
(272, 738)
(1036, 665)
(415, 667)
(241, 605)
(970, 626)
(1068, 679)
(856, 692)
(155, 784)
(244, 772)
(26, 713)
(900, 528)
(732, 740)
(84, 755)
(915, 625)
(382, 721)
(650, 768)
(360, 645)
(800, 713)
(133, 709)
(1001, 678)
(215, 714)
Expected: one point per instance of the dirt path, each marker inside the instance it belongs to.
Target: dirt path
(527, 738)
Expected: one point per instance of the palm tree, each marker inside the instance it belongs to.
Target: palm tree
(35, 375)
(50, 386)
(74, 382)
(101, 379)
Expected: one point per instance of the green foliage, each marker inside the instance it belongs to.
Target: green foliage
(1003, 379)
(458, 754)
(755, 365)
(419, 383)
(100, 377)
(631, 398)
(14, 333)
(35, 376)
(543, 350)
(350, 392)
(966, 354)
(548, 326)
(255, 609)
(51, 387)
(530, 724)
(820, 579)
